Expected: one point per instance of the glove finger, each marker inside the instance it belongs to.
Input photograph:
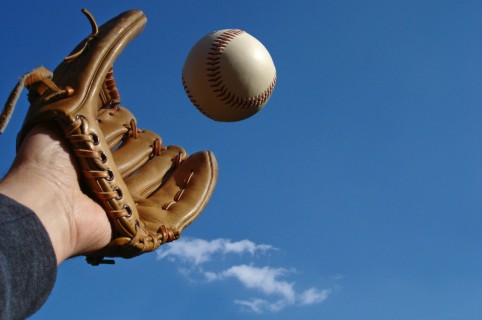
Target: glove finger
(135, 151)
(114, 123)
(154, 173)
(183, 196)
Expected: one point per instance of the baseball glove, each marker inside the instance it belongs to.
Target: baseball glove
(149, 192)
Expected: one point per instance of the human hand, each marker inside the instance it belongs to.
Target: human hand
(44, 178)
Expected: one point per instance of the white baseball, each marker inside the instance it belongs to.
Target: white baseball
(229, 75)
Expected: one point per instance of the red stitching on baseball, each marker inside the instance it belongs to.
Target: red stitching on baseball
(215, 77)
(194, 102)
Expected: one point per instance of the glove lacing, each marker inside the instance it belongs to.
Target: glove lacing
(84, 141)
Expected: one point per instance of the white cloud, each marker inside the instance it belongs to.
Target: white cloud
(312, 296)
(267, 281)
(192, 254)
(262, 279)
(255, 305)
(199, 251)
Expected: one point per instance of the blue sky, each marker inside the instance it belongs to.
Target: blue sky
(354, 194)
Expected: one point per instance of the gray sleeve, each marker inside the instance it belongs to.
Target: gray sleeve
(28, 266)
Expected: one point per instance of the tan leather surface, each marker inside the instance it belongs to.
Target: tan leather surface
(86, 74)
(113, 132)
(149, 192)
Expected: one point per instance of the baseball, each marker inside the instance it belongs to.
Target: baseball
(229, 75)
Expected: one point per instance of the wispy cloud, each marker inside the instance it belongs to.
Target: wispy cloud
(268, 281)
(312, 296)
(278, 293)
(199, 251)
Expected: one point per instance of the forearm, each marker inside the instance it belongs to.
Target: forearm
(27, 261)
(26, 186)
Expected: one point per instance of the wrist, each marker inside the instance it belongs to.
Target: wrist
(43, 177)
(33, 191)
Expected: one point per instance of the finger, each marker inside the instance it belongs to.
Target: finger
(135, 151)
(114, 123)
(147, 179)
(183, 196)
